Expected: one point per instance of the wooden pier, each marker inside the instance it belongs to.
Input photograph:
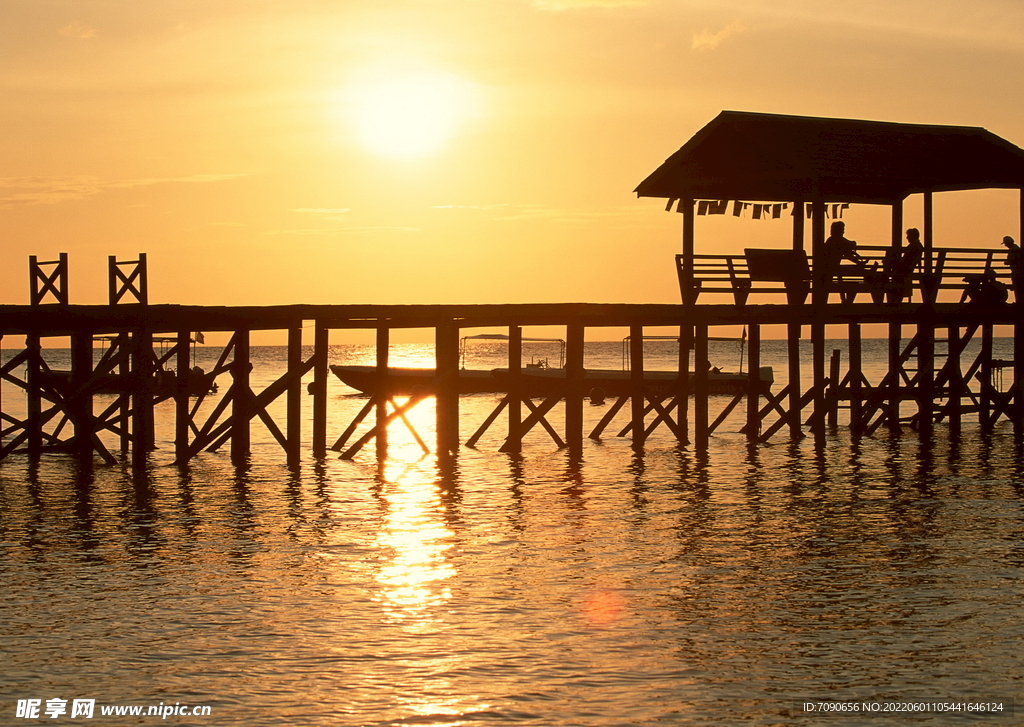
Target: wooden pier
(932, 312)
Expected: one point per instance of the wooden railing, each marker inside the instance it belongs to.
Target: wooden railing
(789, 272)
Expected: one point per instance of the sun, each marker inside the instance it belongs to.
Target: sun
(408, 112)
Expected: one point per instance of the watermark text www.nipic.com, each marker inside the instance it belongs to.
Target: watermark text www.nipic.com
(88, 708)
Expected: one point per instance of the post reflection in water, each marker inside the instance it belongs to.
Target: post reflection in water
(414, 577)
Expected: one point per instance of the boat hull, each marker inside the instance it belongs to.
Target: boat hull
(537, 382)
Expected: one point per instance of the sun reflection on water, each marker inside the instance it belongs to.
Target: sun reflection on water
(414, 577)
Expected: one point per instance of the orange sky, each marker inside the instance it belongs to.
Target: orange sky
(262, 154)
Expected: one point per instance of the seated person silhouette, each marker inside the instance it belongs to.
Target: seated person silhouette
(838, 249)
(984, 289)
(906, 263)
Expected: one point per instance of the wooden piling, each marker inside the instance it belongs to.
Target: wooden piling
(241, 403)
(182, 407)
(819, 405)
(514, 441)
(321, 341)
(701, 364)
(683, 386)
(753, 427)
(954, 380)
(856, 379)
(985, 417)
(446, 352)
(80, 405)
(793, 364)
(637, 387)
(925, 381)
(293, 402)
(142, 396)
(574, 345)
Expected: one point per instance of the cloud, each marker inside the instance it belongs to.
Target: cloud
(340, 230)
(77, 29)
(16, 191)
(706, 40)
(330, 213)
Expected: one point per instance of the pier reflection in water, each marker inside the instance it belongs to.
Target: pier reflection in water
(619, 587)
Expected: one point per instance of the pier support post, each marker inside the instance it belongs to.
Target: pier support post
(925, 378)
(954, 381)
(321, 340)
(293, 402)
(683, 383)
(81, 404)
(142, 397)
(893, 395)
(856, 382)
(793, 363)
(383, 354)
(701, 364)
(182, 410)
(574, 344)
(1018, 374)
(34, 402)
(241, 402)
(514, 442)
(985, 417)
(833, 397)
(754, 385)
(819, 405)
(446, 351)
(636, 378)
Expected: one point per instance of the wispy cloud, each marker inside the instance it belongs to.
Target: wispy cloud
(51, 190)
(515, 212)
(330, 213)
(340, 230)
(706, 40)
(77, 29)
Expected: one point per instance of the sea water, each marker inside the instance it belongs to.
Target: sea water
(620, 587)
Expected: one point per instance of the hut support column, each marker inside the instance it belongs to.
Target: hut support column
(293, 402)
(33, 420)
(753, 428)
(574, 345)
(321, 340)
(446, 349)
(686, 205)
(241, 402)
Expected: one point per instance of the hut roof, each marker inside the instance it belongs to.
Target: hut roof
(772, 157)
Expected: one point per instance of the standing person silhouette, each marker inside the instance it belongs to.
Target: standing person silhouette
(1014, 261)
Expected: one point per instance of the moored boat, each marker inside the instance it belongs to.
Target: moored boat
(536, 381)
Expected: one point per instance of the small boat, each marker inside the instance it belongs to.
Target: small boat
(536, 380)
(165, 383)
(406, 381)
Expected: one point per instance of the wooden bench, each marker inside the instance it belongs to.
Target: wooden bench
(756, 271)
(790, 272)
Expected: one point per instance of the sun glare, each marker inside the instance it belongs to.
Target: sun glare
(408, 113)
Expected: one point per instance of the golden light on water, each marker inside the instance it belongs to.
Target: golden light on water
(413, 579)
